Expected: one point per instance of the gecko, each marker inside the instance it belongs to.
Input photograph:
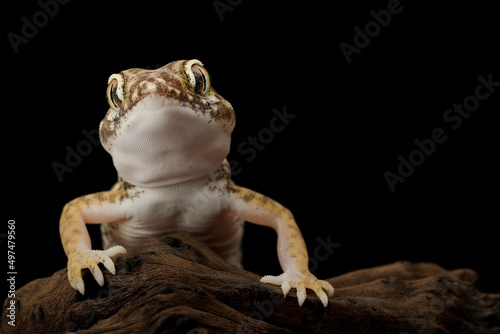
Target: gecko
(169, 133)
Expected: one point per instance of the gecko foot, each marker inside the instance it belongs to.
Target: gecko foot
(90, 259)
(301, 280)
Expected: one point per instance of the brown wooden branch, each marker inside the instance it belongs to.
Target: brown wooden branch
(178, 285)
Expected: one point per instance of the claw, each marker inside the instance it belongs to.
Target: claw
(80, 286)
(285, 287)
(301, 294)
(91, 259)
(301, 281)
(108, 264)
(96, 272)
(75, 278)
(77, 281)
(328, 287)
(324, 299)
(115, 250)
(270, 279)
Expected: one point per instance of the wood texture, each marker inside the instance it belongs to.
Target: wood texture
(178, 285)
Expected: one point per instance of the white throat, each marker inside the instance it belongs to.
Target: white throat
(162, 142)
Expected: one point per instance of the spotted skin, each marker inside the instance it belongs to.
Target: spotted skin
(168, 133)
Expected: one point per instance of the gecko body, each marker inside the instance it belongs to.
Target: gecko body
(169, 133)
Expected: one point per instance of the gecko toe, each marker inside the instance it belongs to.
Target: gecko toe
(275, 280)
(301, 295)
(108, 264)
(328, 287)
(96, 272)
(115, 250)
(324, 299)
(285, 287)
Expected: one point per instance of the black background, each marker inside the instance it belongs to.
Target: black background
(327, 166)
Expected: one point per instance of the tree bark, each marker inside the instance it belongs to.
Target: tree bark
(178, 285)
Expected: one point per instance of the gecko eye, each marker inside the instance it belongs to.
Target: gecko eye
(202, 85)
(113, 95)
(199, 80)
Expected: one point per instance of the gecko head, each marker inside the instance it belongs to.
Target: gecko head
(167, 125)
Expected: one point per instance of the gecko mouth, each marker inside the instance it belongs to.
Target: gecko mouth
(164, 99)
(211, 110)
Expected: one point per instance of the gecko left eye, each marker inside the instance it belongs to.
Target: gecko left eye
(201, 84)
(113, 95)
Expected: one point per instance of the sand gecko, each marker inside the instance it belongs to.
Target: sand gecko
(169, 133)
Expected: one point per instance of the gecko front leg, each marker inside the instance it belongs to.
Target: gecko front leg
(292, 252)
(90, 209)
